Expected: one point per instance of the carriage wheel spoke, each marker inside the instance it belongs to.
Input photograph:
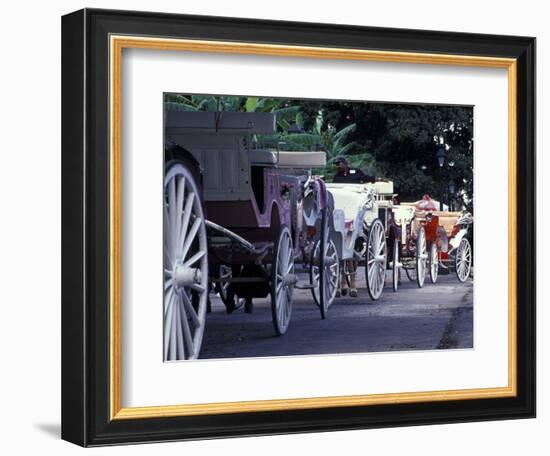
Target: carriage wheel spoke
(172, 208)
(283, 305)
(179, 202)
(194, 258)
(173, 332)
(167, 299)
(379, 279)
(289, 258)
(168, 325)
(186, 331)
(180, 350)
(167, 239)
(280, 304)
(190, 309)
(371, 271)
(190, 238)
(290, 268)
(197, 287)
(381, 243)
(182, 233)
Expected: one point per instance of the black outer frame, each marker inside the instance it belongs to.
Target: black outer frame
(85, 227)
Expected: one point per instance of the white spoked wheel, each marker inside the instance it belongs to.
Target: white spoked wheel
(433, 260)
(463, 260)
(421, 257)
(330, 276)
(185, 266)
(229, 299)
(282, 281)
(375, 261)
(395, 265)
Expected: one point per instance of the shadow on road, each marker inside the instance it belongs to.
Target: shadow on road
(438, 316)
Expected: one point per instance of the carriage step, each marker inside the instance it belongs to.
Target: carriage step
(304, 286)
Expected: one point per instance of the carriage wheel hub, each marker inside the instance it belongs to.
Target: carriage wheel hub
(290, 279)
(185, 276)
(379, 258)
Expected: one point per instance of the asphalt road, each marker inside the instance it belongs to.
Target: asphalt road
(436, 316)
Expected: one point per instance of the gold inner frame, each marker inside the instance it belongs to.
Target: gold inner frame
(117, 44)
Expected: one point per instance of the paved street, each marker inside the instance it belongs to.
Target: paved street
(435, 317)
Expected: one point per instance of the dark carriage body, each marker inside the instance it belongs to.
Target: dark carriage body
(244, 188)
(261, 205)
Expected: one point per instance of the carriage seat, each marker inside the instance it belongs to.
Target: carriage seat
(448, 223)
(448, 220)
(404, 213)
(288, 159)
(349, 198)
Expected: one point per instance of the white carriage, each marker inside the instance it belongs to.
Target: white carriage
(358, 229)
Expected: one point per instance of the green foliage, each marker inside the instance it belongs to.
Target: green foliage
(394, 141)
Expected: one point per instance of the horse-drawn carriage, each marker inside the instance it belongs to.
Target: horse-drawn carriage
(427, 238)
(359, 228)
(239, 216)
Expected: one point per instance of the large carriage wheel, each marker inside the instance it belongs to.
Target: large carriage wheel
(282, 281)
(324, 268)
(376, 257)
(421, 257)
(395, 265)
(185, 265)
(324, 285)
(230, 300)
(433, 260)
(463, 260)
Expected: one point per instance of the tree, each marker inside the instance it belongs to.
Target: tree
(391, 140)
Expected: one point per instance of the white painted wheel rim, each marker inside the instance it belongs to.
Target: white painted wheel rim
(434, 263)
(463, 260)
(331, 271)
(376, 259)
(185, 266)
(282, 282)
(421, 257)
(395, 265)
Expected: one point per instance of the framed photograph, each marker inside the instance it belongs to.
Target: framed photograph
(278, 227)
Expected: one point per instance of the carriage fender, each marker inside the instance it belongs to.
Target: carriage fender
(455, 240)
(338, 234)
(339, 220)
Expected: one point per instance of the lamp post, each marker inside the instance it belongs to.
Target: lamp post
(451, 187)
(441, 154)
